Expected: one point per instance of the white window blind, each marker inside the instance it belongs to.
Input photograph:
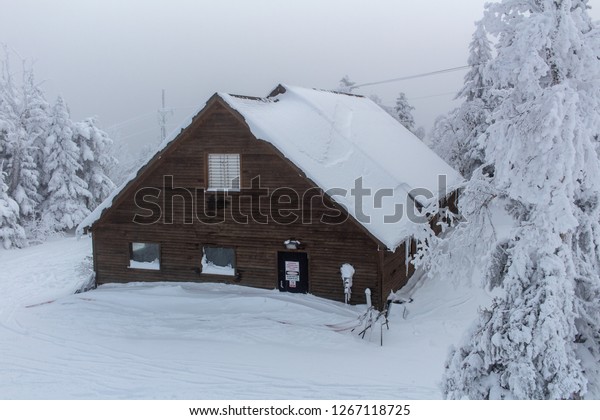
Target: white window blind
(223, 171)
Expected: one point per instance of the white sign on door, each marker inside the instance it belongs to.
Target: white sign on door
(292, 272)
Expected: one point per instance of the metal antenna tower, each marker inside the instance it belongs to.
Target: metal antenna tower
(163, 113)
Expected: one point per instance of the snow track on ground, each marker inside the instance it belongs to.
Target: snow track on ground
(206, 341)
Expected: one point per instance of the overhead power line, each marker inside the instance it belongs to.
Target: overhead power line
(142, 117)
(130, 120)
(138, 133)
(435, 95)
(414, 76)
(163, 111)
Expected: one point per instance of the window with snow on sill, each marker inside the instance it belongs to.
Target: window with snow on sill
(220, 261)
(145, 256)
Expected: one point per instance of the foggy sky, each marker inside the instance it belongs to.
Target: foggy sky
(111, 58)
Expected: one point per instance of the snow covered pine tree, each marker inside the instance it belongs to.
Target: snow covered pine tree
(539, 339)
(18, 110)
(96, 160)
(67, 195)
(51, 165)
(457, 136)
(403, 112)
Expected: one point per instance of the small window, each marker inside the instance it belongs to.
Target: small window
(144, 255)
(223, 172)
(218, 260)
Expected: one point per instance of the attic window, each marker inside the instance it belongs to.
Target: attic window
(144, 255)
(223, 172)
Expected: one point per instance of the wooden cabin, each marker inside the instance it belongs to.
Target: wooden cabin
(275, 193)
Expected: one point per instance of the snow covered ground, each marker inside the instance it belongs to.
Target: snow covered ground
(208, 341)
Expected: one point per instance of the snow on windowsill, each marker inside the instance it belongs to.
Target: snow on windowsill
(150, 265)
(215, 269)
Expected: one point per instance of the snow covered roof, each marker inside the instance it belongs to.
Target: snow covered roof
(337, 139)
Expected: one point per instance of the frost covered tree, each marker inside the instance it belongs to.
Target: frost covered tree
(18, 109)
(51, 165)
(35, 114)
(129, 160)
(420, 133)
(399, 116)
(96, 160)
(457, 137)
(11, 232)
(480, 53)
(345, 85)
(386, 108)
(403, 112)
(539, 338)
(67, 195)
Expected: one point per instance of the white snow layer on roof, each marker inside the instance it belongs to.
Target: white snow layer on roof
(338, 140)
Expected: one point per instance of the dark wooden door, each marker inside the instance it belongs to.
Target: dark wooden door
(293, 272)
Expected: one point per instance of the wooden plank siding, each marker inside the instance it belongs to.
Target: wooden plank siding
(256, 243)
(395, 272)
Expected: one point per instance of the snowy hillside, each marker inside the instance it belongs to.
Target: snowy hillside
(208, 341)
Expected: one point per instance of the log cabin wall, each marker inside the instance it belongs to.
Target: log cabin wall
(395, 270)
(256, 243)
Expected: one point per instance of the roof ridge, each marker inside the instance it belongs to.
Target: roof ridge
(250, 98)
